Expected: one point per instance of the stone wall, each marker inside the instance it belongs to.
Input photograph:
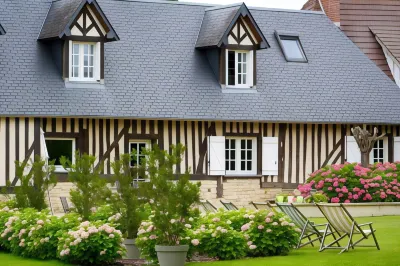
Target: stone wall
(239, 191)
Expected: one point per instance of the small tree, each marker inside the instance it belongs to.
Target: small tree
(34, 185)
(171, 196)
(365, 142)
(126, 200)
(90, 189)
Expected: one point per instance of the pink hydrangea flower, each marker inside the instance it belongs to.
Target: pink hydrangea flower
(335, 200)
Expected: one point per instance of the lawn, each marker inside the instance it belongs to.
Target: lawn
(388, 234)
(12, 260)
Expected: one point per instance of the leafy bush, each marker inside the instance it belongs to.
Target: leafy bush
(8, 217)
(90, 189)
(269, 234)
(126, 201)
(217, 238)
(91, 244)
(34, 185)
(170, 197)
(354, 183)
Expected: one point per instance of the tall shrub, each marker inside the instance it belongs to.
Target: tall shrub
(32, 191)
(126, 200)
(90, 189)
(171, 196)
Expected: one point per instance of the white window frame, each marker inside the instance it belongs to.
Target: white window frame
(139, 141)
(96, 62)
(249, 69)
(385, 151)
(238, 171)
(60, 168)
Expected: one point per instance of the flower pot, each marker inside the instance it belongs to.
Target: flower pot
(172, 255)
(132, 252)
(279, 198)
(290, 199)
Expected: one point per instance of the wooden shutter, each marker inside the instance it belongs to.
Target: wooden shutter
(216, 155)
(270, 156)
(396, 149)
(353, 154)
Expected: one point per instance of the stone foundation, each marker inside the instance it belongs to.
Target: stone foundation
(239, 191)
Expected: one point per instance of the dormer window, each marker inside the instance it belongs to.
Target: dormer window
(291, 47)
(231, 37)
(78, 30)
(239, 68)
(84, 61)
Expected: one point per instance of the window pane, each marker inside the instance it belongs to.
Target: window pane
(227, 144)
(75, 72)
(231, 68)
(91, 72)
(233, 166)
(243, 155)
(243, 165)
(233, 144)
(249, 154)
(375, 153)
(233, 154)
(227, 165)
(243, 144)
(244, 79)
(75, 60)
(249, 165)
(227, 154)
(58, 148)
(91, 49)
(292, 49)
(85, 72)
(85, 49)
(239, 78)
(76, 49)
(239, 57)
(249, 144)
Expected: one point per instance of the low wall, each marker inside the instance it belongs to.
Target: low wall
(356, 209)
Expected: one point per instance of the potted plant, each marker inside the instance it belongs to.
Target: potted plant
(126, 204)
(281, 197)
(171, 197)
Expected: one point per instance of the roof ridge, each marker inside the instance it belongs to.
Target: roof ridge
(166, 2)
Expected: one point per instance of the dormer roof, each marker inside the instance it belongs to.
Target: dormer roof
(63, 14)
(2, 30)
(218, 23)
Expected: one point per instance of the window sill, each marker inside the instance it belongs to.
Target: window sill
(84, 84)
(242, 175)
(239, 89)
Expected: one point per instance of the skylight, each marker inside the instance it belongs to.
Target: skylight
(291, 48)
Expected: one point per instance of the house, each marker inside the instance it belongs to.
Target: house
(371, 25)
(260, 97)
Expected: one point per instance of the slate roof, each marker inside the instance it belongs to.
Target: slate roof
(154, 71)
(59, 15)
(2, 31)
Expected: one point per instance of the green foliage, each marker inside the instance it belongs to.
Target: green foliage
(170, 196)
(317, 198)
(90, 189)
(126, 201)
(34, 185)
(216, 237)
(91, 244)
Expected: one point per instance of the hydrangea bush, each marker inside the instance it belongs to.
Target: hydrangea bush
(91, 244)
(346, 183)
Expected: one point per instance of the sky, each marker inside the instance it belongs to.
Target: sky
(285, 4)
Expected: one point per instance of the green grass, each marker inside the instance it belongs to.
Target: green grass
(12, 260)
(388, 235)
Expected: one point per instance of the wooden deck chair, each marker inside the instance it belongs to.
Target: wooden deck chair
(309, 230)
(207, 206)
(262, 206)
(65, 205)
(229, 205)
(343, 223)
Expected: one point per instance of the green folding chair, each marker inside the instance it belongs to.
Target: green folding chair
(309, 229)
(344, 224)
(262, 205)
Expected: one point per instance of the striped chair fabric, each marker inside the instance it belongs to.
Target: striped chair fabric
(338, 218)
(261, 206)
(296, 216)
(229, 205)
(207, 206)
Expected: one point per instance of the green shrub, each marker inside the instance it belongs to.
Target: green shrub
(269, 234)
(90, 189)
(8, 217)
(34, 185)
(91, 244)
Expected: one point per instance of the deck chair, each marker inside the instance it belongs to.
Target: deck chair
(262, 206)
(65, 205)
(207, 206)
(309, 230)
(342, 222)
(229, 205)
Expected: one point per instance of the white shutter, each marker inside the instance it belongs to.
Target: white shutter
(97, 61)
(353, 154)
(216, 155)
(396, 149)
(270, 156)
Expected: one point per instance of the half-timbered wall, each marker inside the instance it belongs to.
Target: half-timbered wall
(303, 147)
